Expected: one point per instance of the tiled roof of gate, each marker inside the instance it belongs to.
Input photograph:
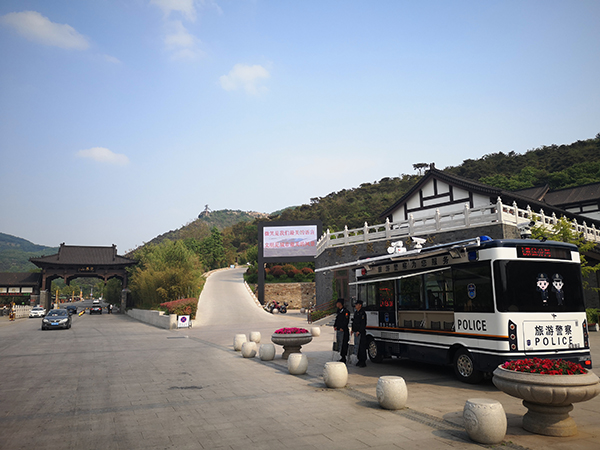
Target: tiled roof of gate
(75, 254)
(20, 278)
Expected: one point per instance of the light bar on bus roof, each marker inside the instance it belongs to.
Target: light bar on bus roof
(454, 246)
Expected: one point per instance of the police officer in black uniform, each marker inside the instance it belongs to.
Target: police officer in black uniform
(342, 319)
(359, 328)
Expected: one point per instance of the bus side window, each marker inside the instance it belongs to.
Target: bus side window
(473, 288)
(438, 291)
(367, 293)
(410, 293)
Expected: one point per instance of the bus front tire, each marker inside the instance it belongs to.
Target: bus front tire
(375, 353)
(464, 367)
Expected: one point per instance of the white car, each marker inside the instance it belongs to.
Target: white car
(37, 311)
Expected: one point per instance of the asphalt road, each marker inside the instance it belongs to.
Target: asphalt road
(111, 382)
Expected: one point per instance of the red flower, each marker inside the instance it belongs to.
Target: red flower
(544, 366)
(291, 331)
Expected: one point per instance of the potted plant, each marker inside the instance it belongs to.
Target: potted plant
(292, 339)
(548, 387)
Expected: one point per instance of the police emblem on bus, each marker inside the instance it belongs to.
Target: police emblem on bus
(471, 291)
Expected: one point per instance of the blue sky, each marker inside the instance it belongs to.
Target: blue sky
(121, 119)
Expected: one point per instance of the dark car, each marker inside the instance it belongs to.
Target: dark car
(72, 309)
(96, 308)
(57, 318)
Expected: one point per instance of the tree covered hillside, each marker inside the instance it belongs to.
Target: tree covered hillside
(15, 253)
(201, 228)
(558, 166)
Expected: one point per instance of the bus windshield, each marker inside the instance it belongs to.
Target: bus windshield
(523, 286)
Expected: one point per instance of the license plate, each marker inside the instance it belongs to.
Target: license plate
(54, 323)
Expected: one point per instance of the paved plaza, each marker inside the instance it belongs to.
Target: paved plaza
(111, 382)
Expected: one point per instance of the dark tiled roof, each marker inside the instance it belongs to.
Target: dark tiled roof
(577, 194)
(536, 193)
(74, 254)
(20, 278)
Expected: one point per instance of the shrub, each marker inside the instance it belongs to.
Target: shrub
(307, 270)
(290, 270)
(277, 271)
(592, 315)
(183, 307)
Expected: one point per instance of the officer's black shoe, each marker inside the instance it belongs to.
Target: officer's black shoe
(342, 360)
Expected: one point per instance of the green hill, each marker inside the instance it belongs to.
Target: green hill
(561, 166)
(200, 228)
(15, 253)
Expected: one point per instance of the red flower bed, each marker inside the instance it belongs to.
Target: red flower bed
(291, 331)
(544, 366)
(183, 307)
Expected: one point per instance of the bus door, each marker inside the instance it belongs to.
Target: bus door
(386, 304)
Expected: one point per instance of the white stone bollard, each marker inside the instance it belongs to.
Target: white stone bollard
(392, 392)
(335, 374)
(255, 336)
(315, 331)
(297, 363)
(302, 310)
(266, 352)
(238, 340)
(485, 420)
(275, 311)
(249, 349)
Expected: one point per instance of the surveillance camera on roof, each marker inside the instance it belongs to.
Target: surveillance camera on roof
(418, 242)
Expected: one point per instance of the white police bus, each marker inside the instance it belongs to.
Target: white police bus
(475, 304)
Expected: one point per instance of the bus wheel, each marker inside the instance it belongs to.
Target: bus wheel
(464, 367)
(375, 354)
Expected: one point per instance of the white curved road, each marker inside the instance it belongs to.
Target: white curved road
(226, 307)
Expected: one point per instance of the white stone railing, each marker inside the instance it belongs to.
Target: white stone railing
(448, 221)
(21, 311)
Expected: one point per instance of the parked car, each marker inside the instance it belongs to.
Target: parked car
(57, 318)
(72, 309)
(37, 311)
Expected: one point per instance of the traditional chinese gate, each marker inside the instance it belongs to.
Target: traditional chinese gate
(74, 261)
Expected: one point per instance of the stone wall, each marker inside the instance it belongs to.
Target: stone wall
(156, 318)
(297, 295)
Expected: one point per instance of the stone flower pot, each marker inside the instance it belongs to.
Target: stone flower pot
(548, 398)
(291, 342)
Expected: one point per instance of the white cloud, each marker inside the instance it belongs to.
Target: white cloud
(111, 59)
(180, 42)
(178, 35)
(103, 155)
(246, 77)
(37, 28)
(185, 7)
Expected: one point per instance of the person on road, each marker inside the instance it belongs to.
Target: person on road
(359, 328)
(341, 327)
(110, 308)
